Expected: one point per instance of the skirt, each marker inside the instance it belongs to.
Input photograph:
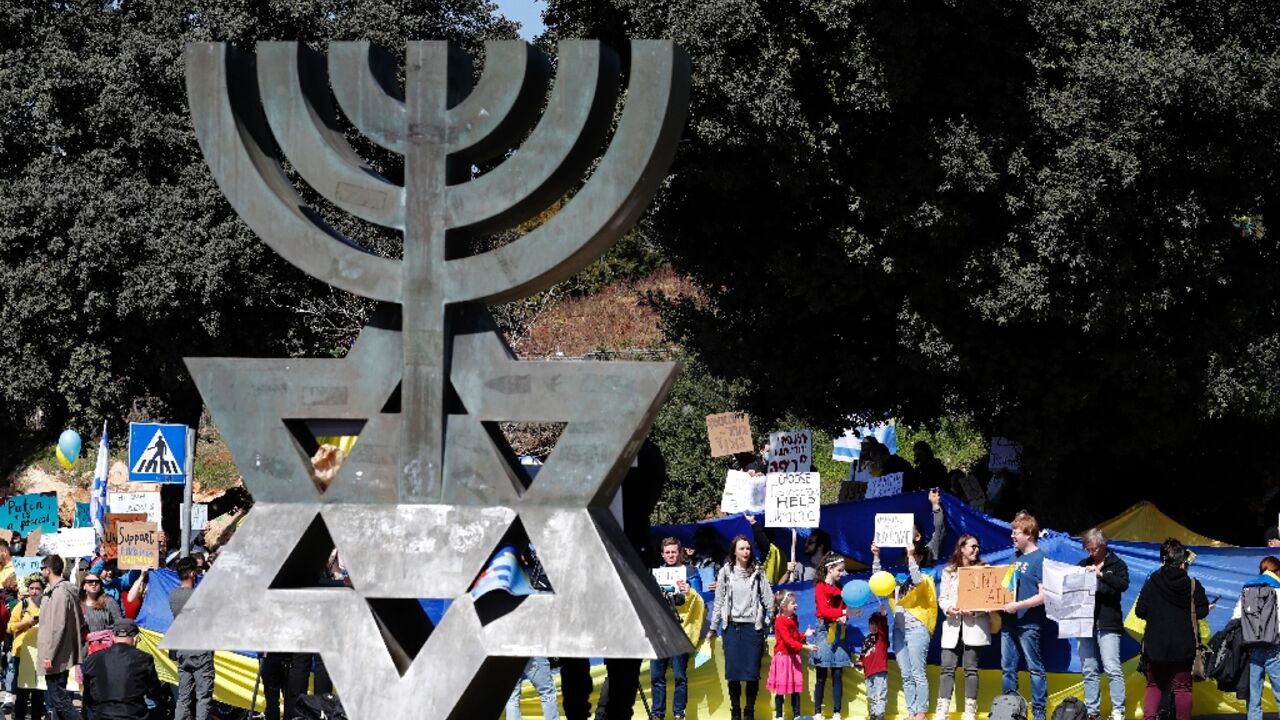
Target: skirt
(786, 675)
(743, 648)
(831, 654)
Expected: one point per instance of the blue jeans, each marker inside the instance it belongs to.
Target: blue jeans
(911, 646)
(57, 699)
(877, 692)
(1103, 649)
(658, 681)
(11, 678)
(538, 673)
(1023, 642)
(1263, 659)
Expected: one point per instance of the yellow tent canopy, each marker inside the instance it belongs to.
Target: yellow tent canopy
(1145, 523)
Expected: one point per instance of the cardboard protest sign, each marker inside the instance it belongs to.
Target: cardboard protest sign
(895, 529)
(729, 433)
(790, 451)
(669, 576)
(742, 493)
(1005, 455)
(134, 502)
(75, 542)
(792, 500)
(199, 516)
(110, 526)
(982, 588)
(6, 535)
(138, 545)
(24, 513)
(32, 547)
(884, 486)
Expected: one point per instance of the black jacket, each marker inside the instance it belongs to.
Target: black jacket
(1166, 604)
(116, 680)
(1107, 613)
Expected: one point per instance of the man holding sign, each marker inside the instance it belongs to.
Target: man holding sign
(676, 580)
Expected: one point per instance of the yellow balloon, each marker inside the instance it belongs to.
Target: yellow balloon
(62, 459)
(882, 584)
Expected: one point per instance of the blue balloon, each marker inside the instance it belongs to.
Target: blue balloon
(902, 578)
(856, 593)
(69, 444)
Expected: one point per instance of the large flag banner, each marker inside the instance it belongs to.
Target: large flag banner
(98, 491)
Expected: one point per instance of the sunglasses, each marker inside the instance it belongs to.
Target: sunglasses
(93, 582)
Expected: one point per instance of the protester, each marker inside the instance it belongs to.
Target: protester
(1171, 602)
(22, 625)
(1103, 648)
(911, 630)
(786, 670)
(60, 639)
(1025, 615)
(1261, 634)
(741, 614)
(8, 596)
(118, 680)
(101, 613)
(284, 678)
(831, 655)
(964, 633)
(929, 472)
(1271, 538)
(195, 669)
(673, 557)
(538, 672)
(816, 547)
(874, 662)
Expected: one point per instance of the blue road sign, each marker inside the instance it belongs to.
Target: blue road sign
(157, 452)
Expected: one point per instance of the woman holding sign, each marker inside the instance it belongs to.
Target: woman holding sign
(964, 632)
(741, 614)
(915, 612)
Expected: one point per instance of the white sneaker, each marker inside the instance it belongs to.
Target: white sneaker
(835, 716)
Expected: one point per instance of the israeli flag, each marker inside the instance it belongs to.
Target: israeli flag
(848, 447)
(98, 491)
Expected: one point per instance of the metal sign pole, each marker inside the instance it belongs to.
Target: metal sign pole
(185, 519)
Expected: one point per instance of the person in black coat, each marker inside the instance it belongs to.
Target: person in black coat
(1172, 603)
(118, 680)
(1102, 650)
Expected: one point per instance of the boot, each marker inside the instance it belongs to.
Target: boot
(943, 709)
(970, 709)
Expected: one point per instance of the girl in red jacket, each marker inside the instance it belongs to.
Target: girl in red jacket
(786, 671)
(832, 655)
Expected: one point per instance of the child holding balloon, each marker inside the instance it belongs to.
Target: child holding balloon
(831, 655)
(786, 671)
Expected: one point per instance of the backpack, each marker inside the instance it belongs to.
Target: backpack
(1258, 615)
(1009, 706)
(319, 707)
(1070, 709)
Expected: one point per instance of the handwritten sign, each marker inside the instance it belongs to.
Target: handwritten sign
(895, 529)
(742, 493)
(790, 451)
(32, 546)
(982, 588)
(199, 516)
(885, 486)
(24, 513)
(82, 515)
(23, 567)
(729, 433)
(669, 576)
(792, 499)
(75, 542)
(139, 545)
(135, 502)
(110, 530)
(1005, 455)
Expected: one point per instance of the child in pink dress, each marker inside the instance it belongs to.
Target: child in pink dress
(786, 670)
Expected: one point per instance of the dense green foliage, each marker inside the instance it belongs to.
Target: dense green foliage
(118, 254)
(1042, 215)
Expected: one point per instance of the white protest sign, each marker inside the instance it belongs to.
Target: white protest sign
(895, 529)
(792, 500)
(136, 502)
(200, 516)
(1069, 596)
(1005, 454)
(74, 542)
(885, 486)
(790, 451)
(742, 493)
(669, 576)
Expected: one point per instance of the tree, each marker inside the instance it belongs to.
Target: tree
(1044, 215)
(118, 254)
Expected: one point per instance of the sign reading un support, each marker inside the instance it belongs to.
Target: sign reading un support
(157, 453)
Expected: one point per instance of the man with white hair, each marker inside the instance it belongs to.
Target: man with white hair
(1103, 649)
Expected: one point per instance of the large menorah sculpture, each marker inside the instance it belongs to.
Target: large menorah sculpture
(430, 489)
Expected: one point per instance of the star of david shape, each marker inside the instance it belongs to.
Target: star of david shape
(398, 552)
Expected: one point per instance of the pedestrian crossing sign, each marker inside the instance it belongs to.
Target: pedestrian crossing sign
(157, 452)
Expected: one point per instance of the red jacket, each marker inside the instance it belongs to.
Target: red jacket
(787, 637)
(875, 649)
(828, 604)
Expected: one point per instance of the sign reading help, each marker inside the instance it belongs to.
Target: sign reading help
(790, 452)
(793, 499)
(1005, 455)
(729, 433)
(139, 546)
(157, 452)
(895, 529)
(885, 486)
(24, 513)
(982, 588)
(143, 502)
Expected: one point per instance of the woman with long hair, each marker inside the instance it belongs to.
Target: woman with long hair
(741, 615)
(964, 632)
(101, 611)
